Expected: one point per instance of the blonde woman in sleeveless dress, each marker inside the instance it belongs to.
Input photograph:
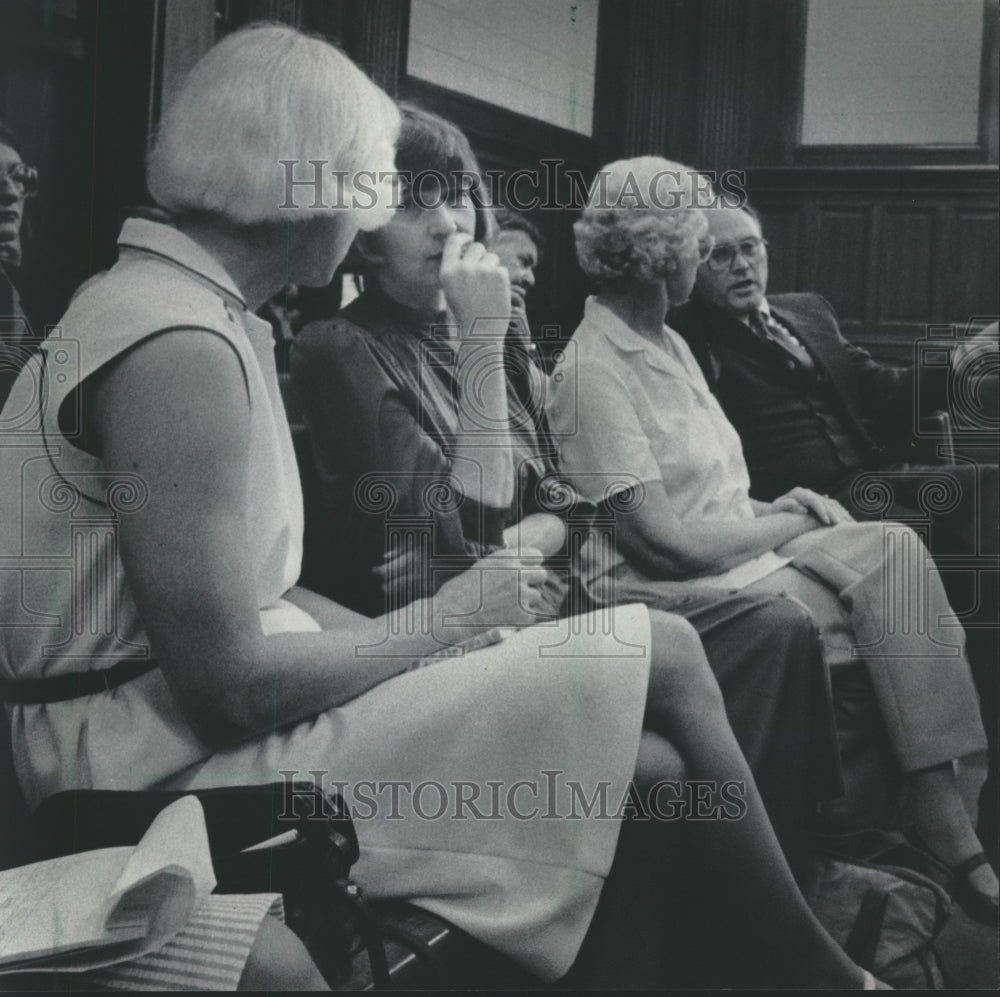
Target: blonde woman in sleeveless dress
(160, 532)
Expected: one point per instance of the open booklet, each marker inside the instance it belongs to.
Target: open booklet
(97, 908)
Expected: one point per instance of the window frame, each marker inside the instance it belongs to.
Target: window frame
(983, 151)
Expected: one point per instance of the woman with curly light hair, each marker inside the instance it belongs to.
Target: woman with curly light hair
(160, 638)
(643, 434)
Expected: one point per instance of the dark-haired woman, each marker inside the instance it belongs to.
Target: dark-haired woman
(420, 478)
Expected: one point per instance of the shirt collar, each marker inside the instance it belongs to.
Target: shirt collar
(620, 334)
(169, 243)
(764, 309)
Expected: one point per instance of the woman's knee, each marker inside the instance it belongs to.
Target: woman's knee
(678, 666)
(279, 961)
(676, 638)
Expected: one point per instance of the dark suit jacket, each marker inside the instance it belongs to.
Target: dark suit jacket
(872, 402)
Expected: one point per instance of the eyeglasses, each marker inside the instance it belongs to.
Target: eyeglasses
(706, 246)
(752, 250)
(24, 176)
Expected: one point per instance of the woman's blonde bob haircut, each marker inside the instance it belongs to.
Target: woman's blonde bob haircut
(264, 94)
(639, 214)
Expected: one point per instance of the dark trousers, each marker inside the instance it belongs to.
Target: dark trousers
(765, 653)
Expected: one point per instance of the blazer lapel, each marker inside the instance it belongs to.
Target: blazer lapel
(824, 347)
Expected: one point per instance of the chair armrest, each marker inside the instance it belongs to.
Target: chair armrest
(931, 441)
(937, 435)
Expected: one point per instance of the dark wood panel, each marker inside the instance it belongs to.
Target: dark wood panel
(76, 88)
(724, 66)
(972, 249)
(840, 252)
(930, 252)
(905, 265)
(783, 226)
(375, 35)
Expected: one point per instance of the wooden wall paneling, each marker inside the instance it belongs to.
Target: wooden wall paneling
(644, 91)
(783, 230)
(777, 41)
(375, 36)
(613, 73)
(233, 14)
(867, 296)
(326, 18)
(188, 31)
(46, 96)
(651, 86)
(905, 274)
(724, 77)
(321, 17)
(123, 94)
(842, 259)
(973, 251)
(77, 88)
(931, 245)
(940, 265)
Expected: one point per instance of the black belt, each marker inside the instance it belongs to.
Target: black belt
(58, 688)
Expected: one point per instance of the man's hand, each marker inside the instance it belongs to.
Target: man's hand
(807, 502)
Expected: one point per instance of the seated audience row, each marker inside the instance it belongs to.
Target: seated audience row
(178, 502)
(590, 545)
(393, 419)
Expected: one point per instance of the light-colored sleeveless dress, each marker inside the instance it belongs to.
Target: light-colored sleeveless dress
(461, 773)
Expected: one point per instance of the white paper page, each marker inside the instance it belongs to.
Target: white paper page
(155, 887)
(59, 903)
(176, 838)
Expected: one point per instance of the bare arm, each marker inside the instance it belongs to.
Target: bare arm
(175, 410)
(654, 539)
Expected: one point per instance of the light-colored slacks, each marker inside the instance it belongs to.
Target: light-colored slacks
(876, 596)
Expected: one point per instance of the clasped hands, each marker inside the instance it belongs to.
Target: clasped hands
(806, 502)
(510, 589)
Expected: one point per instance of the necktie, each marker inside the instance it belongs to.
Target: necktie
(769, 328)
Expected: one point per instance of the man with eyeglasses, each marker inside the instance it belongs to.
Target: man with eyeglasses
(810, 407)
(18, 182)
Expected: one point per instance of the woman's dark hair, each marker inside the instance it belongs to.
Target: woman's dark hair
(432, 147)
(429, 144)
(507, 220)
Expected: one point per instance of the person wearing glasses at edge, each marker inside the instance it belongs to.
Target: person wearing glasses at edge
(814, 409)
(18, 182)
(226, 672)
(638, 409)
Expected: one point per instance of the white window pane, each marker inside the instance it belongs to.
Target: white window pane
(534, 58)
(892, 72)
